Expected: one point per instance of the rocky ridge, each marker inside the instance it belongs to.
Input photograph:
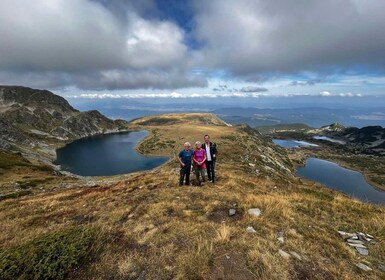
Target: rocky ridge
(36, 118)
(366, 140)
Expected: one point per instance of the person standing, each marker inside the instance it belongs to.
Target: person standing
(199, 159)
(185, 158)
(211, 154)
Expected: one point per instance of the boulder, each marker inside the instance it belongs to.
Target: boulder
(255, 212)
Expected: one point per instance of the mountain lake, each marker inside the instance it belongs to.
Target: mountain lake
(341, 179)
(334, 176)
(105, 155)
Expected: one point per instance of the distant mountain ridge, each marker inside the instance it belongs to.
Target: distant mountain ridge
(30, 117)
(367, 140)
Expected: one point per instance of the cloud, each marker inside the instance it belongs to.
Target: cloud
(79, 43)
(342, 94)
(254, 39)
(253, 89)
(310, 82)
(325, 93)
(168, 95)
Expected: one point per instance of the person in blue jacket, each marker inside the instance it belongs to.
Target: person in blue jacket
(185, 158)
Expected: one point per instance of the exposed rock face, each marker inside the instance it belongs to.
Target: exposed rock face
(366, 140)
(369, 139)
(28, 116)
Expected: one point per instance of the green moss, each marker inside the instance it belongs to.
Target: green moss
(15, 194)
(33, 182)
(318, 194)
(49, 257)
(9, 160)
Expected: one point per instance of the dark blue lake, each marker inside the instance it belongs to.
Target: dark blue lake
(341, 179)
(106, 155)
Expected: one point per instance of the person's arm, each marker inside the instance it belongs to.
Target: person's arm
(214, 149)
(180, 159)
(181, 162)
(194, 159)
(204, 157)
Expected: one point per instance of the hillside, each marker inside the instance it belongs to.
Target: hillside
(41, 119)
(142, 226)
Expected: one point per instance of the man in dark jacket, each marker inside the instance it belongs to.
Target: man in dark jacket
(211, 156)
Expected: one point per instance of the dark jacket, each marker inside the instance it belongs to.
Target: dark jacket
(213, 150)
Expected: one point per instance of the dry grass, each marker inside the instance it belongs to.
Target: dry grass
(156, 230)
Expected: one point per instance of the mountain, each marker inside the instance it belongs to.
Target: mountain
(366, 140)
(31, 117)
(143, 226)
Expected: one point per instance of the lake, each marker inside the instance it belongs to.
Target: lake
(106, 155)
(341, 179)
(292, 143)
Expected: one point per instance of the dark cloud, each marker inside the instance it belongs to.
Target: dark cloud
(310, 82)
(254, 38)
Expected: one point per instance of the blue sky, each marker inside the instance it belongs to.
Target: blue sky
(217, 48)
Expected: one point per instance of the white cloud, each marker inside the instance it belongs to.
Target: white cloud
(167, 95)
(81, 43)
(325, 93)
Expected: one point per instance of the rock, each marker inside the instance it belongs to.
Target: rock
(353, 241)
(369, 236)
(347, 235)
(364, 267)
(381, 267)
(362, 251)
(255, 212)
(250, 229)
(296, 255)
(284, 254)
(251, 164)
(232, 212)
(281, 239)
(357, 245)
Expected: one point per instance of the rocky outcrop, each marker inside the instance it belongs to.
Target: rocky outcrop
(366, 140)
(31, 116)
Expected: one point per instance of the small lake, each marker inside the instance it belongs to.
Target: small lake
(106, 155)
(292, 143)
(341, 179)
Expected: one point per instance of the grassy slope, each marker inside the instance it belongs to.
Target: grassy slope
(149, 228)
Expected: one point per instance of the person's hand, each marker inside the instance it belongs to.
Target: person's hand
(183, 164)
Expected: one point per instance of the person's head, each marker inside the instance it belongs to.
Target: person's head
(187, 146)
(207, 139)
(198, 145)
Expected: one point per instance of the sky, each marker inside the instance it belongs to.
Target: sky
(200, 48)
